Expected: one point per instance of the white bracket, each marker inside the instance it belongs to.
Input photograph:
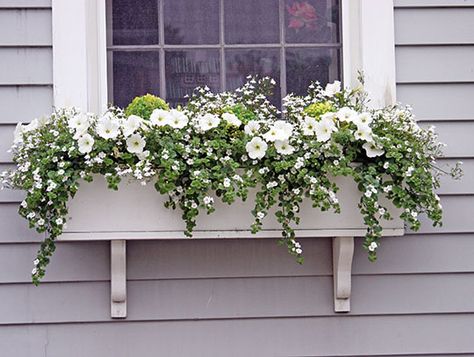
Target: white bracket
(342, 254)
(118, 279)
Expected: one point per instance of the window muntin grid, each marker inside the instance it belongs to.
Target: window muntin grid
(299, 61)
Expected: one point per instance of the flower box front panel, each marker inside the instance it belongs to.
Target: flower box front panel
(137, 212)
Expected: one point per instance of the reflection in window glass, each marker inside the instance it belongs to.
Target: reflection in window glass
(191, 22)
(134, 22)
(312, 21)
(241, 63)
(186, 70)
(306, 65)
(134, 74)
(250, 21)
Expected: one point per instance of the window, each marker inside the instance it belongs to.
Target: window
(169, 47)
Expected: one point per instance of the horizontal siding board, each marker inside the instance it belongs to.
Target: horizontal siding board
(438, 101)
(422, 26)
(190, 259)
(236, 298)
(23, 103)
(14, 227)
(6, 141)
(312, 336)
(25, 3)
(432, 3)
(26, 27)
(435, 64)
(457, 136)
(26, 66)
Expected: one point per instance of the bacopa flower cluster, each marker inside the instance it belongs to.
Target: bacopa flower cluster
(221, 145)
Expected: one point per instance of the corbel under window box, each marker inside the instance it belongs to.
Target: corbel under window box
(136, 212)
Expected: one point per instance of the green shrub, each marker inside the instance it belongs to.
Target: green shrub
(143, 106)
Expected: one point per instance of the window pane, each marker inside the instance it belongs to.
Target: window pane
(186, 70)
(251, 21)
(134, 22)
(134, 74)
(241, 63)
(306, 65)
(191, 22)
(312, 21)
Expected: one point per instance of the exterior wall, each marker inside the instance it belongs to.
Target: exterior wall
(247, 297)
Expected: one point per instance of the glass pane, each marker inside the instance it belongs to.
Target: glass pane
(134, 22)
(312, 21)
(191, 22)
(264, 62)
(306, 65)
(134, 74)
(250, 21)
(186, 70)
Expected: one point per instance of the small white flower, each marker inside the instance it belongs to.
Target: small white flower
(386, 165)
(252, 127)
(85, 143)
(260, 215)
(36, 262)
(372, 150)
(34, 271)
(231, 119)
(324, 128)
(256, 148)
(208, 121)
(107, 127)
(135, 144)
(178, 119)
(347, 114)
(414, 214)
(194, 205)
(284, 148)
(131, 124)
(299, 250)
(226, 182)
(409, 171)
(387, 188)
(382, 211)
(160, 117)
(208, 200)
(59, 221)
(363, 132)
(332, 88)
(143, 155)
(373, 246)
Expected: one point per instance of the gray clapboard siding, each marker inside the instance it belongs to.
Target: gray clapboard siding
(21, 4)
(435, 64)
(432, 3)
(26, 66)
(6, 141)
(438, 101)
(311, 336)
(424, 26)
(15, 228)
(191, 259)
(26, 27)
(23, 103)
(157, 300)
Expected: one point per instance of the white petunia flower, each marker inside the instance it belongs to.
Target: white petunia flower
(347, 114)
(283, 147)
(208, 121)
(231, 119)
(18, 134)
(107, 127)
(274, 134)
(324, 128)
(284, 126)
(131, 124)
(256, 148)
(135, 144)
(363, 132)
(332, 88)
(79, 122)
(363, 119)
(373, 246)
(160, 117)
(178, 119)
(85, 143)
(372, 150)
(252, 127)
(32, 126)
(309, 125)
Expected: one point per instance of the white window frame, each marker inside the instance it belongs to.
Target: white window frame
(80, 54)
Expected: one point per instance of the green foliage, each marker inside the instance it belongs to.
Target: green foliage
(145, 105)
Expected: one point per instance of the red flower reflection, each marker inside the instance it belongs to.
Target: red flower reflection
(303, 15)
